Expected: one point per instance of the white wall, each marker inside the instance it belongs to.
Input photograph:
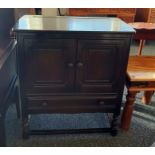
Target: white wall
(53, 11)
(49, 11)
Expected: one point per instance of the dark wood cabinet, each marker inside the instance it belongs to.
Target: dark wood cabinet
(72, 65)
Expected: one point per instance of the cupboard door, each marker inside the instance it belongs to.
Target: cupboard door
(48, 65)
(100, 64)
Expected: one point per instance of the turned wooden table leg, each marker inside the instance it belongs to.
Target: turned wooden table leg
(146, 99)
(128, 109)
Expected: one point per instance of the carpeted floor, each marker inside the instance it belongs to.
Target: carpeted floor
(142, 132)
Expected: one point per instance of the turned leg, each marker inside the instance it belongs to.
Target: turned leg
(128, 109)
(25, 130)
(2, 131)
(15, 98)
(114, 124)
(17, 102)
(146, 99)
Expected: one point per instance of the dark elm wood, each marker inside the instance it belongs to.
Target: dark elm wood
(68, 131)
(71, 65)
(25, 131)
(101, 64)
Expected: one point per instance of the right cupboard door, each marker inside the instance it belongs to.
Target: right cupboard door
(101, 65)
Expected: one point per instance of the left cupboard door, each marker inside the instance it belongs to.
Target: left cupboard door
(47, 65)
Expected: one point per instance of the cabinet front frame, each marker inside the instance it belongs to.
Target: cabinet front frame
(126, 38)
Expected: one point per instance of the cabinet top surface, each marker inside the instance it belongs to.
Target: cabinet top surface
(72, 24)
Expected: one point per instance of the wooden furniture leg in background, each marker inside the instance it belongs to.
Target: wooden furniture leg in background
(146, 99)
(128, 109)
(141, 44)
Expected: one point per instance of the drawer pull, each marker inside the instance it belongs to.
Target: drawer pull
(70, 65)
(44, 104)
(101, 102)
(79, 64)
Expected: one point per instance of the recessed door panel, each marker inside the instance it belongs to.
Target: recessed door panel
(49, 65)
(98, 65)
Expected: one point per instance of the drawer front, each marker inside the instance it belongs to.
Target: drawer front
(72, 104)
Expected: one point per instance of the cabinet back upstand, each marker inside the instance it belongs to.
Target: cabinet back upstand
(71, 65)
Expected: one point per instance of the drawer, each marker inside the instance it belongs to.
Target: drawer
(72, 104)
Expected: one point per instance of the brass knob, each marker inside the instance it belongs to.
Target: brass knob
(101, 102)
(70, 65)
(44, 104)
(79, 64)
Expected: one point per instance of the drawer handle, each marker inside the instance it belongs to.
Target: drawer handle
(70, 65)
(79, 64)
(44, 104)
(101, 102)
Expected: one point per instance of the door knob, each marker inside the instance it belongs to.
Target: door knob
(44, 104)
(70, 65)
(79, 64)
(101, 102)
